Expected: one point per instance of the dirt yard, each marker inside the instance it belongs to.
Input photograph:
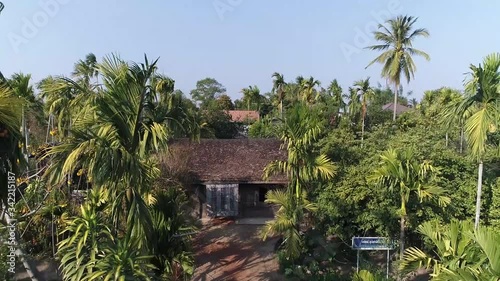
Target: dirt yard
(226, 251)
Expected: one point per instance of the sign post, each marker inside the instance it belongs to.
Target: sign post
(372, 244)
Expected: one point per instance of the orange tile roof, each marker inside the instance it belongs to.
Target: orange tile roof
(244, 115)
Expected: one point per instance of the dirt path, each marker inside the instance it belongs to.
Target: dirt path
(226, 251)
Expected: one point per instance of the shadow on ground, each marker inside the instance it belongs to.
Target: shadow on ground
(227, 251)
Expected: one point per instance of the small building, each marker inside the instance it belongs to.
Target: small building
(400, 109)
(227, 175)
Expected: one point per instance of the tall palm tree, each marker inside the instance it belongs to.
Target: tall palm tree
(85, 70)
(335, 91)
(354, 103)
(252, 96)
(366, 93)
(33, 107)
(11, 160)
(279, 89)
(396, 41)
(303, 167)
(483, 101)
(112, 139)
(401, 173)
(308, 89)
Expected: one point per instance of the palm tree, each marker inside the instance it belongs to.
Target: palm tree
(308, 89)
(303, 167)
(366, 93)
(335, 91)
(85, 70)
(354, 104)
(33, 107)
(287, 220)
(365, 275)
(279, 89)
(482, 106)
(251, 95)
(487, 242)
(112, 139)
(452, 248)
(401, 173)
(397, 45)
(460, 252)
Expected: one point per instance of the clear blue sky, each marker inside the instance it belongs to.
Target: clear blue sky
(242, 42)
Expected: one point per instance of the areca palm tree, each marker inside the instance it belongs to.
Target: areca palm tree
(354, 104)
(85, 70)
(308, 89)
(335, 91)
(481, 107)
(396, 43)
(401, 173)
(279, 89)
(287, 220)
(366, 93)
(303, 167)
(21, 86)
(252, 96)
(112, 139)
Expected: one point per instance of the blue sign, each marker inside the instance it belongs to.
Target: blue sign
(372, 243)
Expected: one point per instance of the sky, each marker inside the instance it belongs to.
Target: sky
(243, 42)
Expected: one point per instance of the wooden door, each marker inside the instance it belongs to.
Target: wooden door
(222, 200)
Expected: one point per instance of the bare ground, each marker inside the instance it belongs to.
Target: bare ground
(226, 251)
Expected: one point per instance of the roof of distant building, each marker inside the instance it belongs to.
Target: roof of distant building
(244, 115)
(228, 160)
(399, 108)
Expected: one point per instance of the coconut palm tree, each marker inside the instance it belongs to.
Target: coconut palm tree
(481, 106)
(303, 167)
(366, 93)
(401, 173)
(396, 41)
(279, 89)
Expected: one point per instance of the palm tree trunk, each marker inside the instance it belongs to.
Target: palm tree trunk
(362, 131)
(395, 101)
(446, 139)
(479, 190)
(401, 237)
(461, 140)
(281, 108)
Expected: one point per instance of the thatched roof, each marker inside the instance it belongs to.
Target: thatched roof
(231, 160)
